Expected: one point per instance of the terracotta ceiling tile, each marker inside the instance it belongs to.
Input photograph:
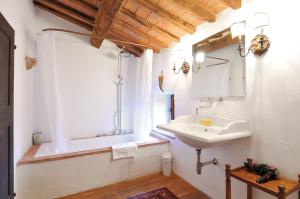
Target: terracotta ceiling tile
(153, 18)
(167, 4)
(131, 5)
(163, 38)
(143, 12)
(176, 9)
(144, 28)
(152, 33)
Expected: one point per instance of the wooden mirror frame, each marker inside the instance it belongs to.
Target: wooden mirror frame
(215, 42)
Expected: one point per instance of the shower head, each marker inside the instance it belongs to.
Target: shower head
(110, 52)
(121, 52)
(111, 55)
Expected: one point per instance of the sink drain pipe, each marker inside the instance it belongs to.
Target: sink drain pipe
(200, 164)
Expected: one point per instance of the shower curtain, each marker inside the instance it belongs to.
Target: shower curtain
(47, 79)
(142, 121)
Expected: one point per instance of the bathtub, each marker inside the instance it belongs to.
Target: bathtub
(87, 144)
(43, 174)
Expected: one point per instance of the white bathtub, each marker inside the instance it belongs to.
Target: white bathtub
(53, 175)
(85, 144)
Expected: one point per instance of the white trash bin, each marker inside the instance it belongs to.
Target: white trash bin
(167, 164)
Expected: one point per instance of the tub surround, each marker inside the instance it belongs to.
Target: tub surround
(37, 176)
(52, 177)
(30, 156)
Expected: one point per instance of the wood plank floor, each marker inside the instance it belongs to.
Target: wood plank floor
(122, 190)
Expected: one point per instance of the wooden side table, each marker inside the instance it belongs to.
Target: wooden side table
(280, 188)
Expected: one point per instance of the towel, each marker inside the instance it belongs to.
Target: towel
(124, 150)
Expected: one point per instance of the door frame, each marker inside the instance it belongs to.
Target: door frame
(9, 31)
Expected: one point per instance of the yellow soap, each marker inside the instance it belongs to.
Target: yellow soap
(206, 122)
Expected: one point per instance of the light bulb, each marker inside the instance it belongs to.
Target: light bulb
(199, 58)
(237, 29)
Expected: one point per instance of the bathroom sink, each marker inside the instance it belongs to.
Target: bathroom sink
(198, 136)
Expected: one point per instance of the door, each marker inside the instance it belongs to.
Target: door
(6, 109)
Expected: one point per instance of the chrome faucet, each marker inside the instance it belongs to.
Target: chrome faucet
(210, 101)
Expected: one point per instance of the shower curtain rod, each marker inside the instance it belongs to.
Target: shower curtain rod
(89, 35)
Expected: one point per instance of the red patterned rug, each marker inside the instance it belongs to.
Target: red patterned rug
(162, 193)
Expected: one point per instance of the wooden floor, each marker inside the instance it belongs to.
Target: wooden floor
(122, 190)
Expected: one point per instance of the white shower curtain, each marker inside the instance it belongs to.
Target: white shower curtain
(142, 121)
(53, 111)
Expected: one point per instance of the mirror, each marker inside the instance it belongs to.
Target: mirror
(219, 71)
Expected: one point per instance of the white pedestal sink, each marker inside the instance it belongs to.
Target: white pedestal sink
(198, 136)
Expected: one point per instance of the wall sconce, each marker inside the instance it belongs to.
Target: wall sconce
(261, 43)
(185, 68)
(161, 81)
(200, 57)
(30, 62)
(197, 60)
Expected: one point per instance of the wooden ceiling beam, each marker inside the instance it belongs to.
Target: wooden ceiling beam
(64, 4)
(143, 34)
(64, 13)
(107, 11)
(91, 3)
(146, 23)
(77, 5)
(177, 21)
(198, 8)
(87, 4)
(234, 4)
(211, 46)
(132, 39)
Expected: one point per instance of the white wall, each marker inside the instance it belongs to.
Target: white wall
(86, 78)
(272, 102)
(21, 16)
